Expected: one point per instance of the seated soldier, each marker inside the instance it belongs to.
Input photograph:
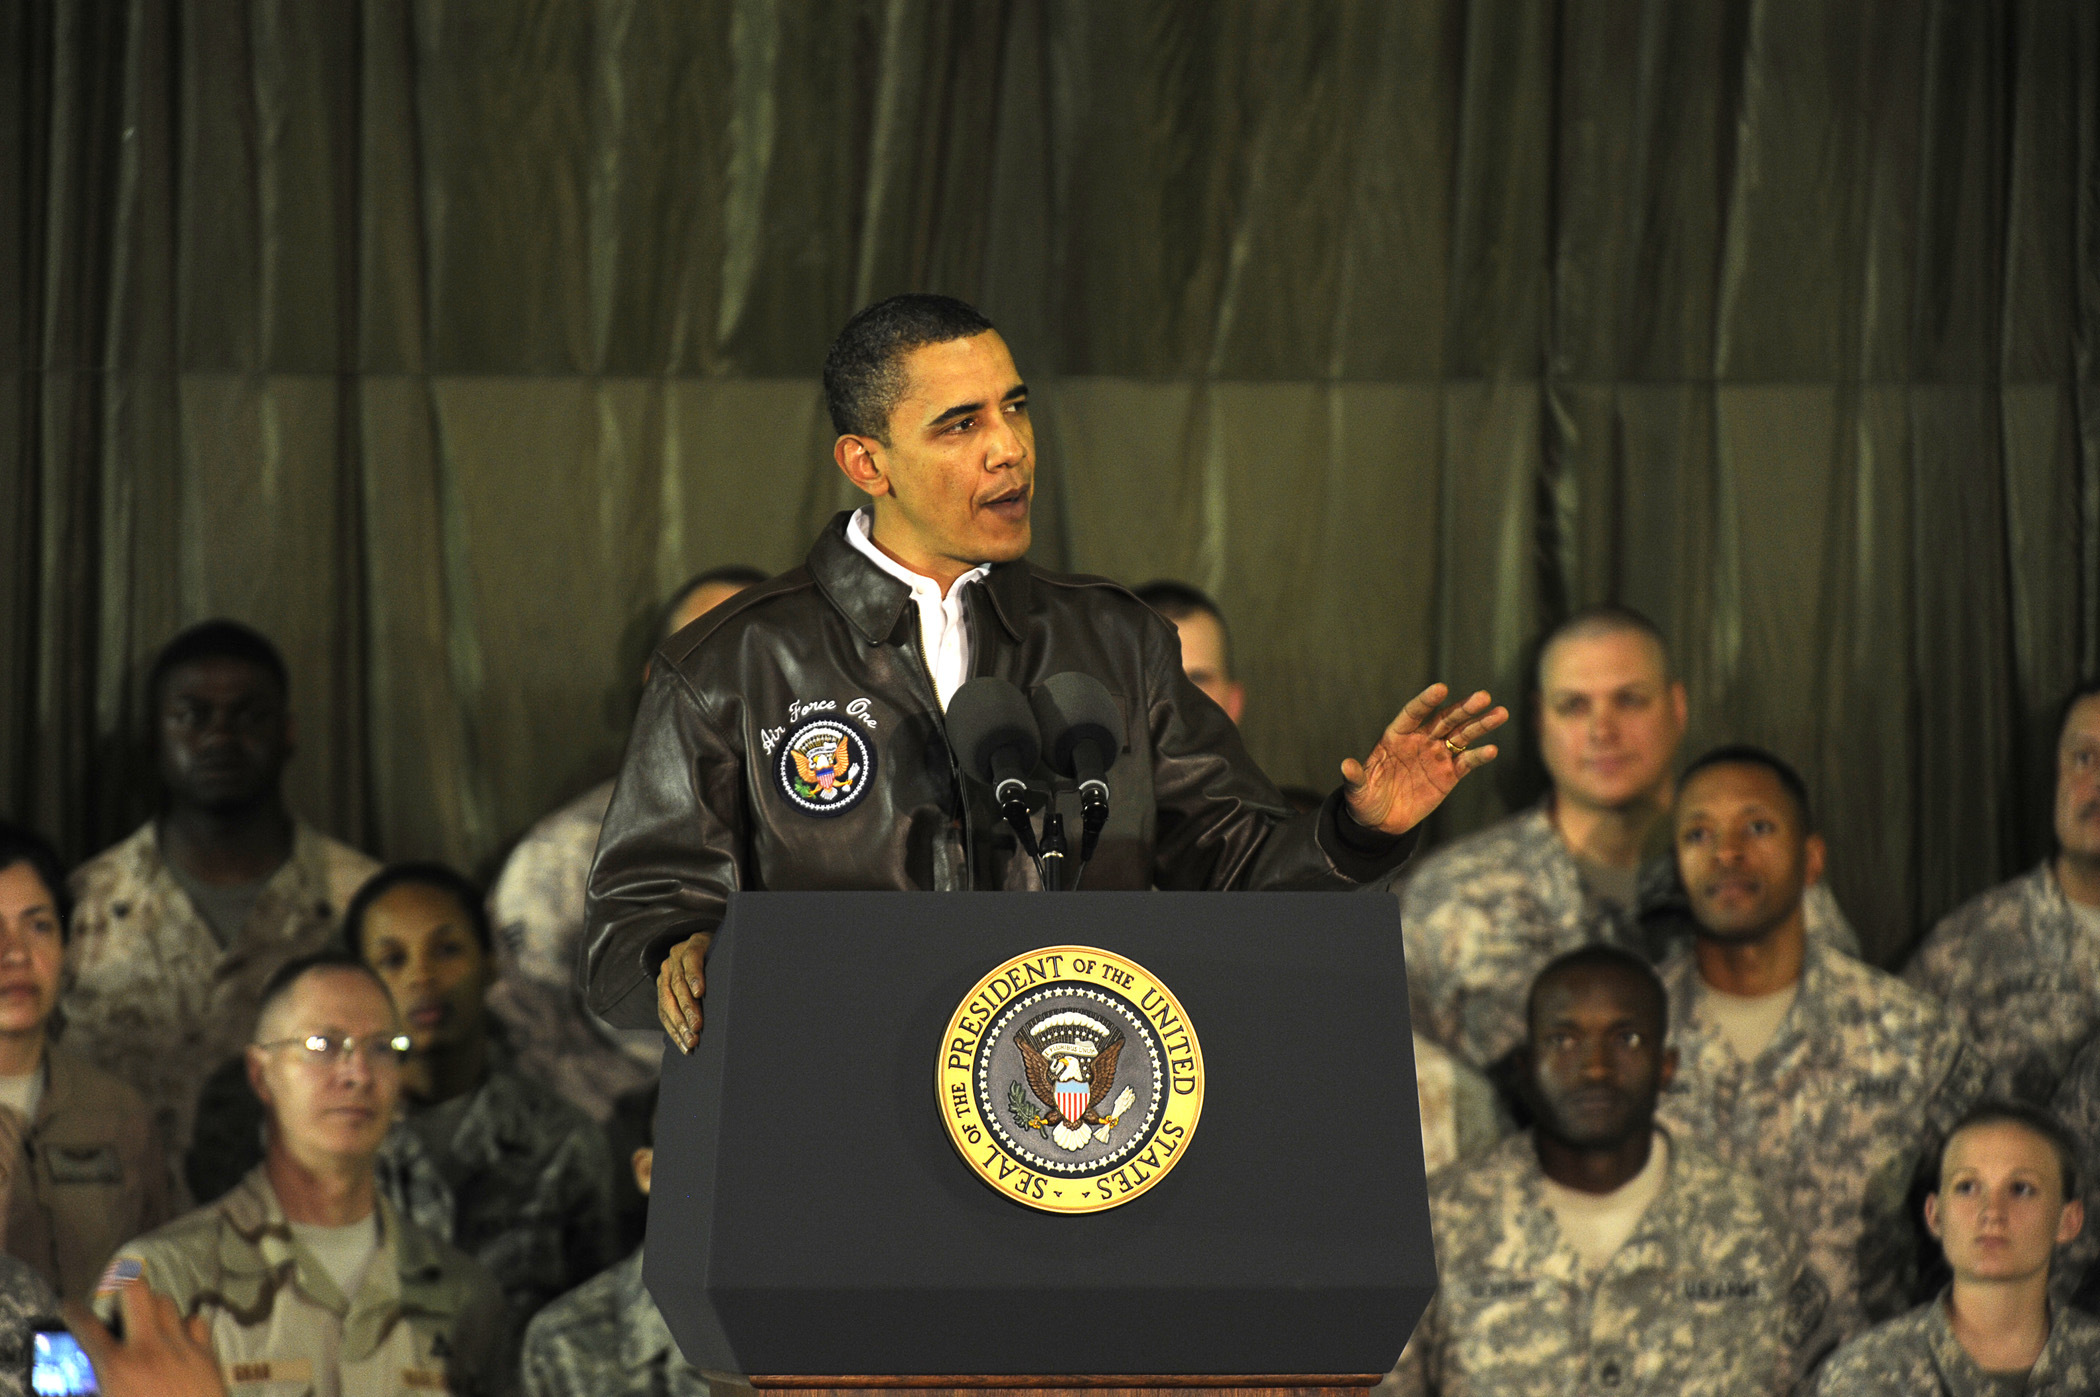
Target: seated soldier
(537, 904)
(86, 1168)
(2076, 1279)
(1206, 644)
(1461, 1116)
(2020, 964)
(489, 1160)
(1590, 863)
(2007, 1198)
(1596, 1252)
(176, 929)
(606, 1337)
(309, 1277)
(1821, 1075)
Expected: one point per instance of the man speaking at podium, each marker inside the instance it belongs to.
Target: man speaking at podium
(794, 738)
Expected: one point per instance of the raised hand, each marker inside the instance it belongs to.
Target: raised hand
(1423, 753)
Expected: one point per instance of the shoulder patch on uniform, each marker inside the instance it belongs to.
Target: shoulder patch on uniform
(824, 767)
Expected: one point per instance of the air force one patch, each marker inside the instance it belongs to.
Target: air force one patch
(1070, 1079)
(824, 767)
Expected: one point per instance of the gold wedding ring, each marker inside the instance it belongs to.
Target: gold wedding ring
(1456, 747)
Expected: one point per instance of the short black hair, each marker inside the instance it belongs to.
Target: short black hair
(288, 975)
(1604, 618)
(634, 1117)
(1601, 955)
(742, 574)
(2081, 691)
(1177, 601)
(20, 844)
(2028, 1116)
(1750, 754)
(218, 639)
(864, 377)
(444, 878)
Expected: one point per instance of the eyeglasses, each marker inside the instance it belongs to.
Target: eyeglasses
(327, 1051)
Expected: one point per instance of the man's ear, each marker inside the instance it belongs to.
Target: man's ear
(1680, 706)
(1235, 700)
(1813, 852)
(861, 459)
(1669, 1069)
(644, 1163)
(256, 1080)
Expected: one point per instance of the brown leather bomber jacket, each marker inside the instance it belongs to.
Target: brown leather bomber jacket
(791, 740)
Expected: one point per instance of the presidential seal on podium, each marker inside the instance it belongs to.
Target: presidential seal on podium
(1070, 1079)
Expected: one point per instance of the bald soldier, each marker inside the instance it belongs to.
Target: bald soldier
(1589, 863)
(2021, 963)
(1821, 1075)
(536, 906)
(1595, 1252)
(308, 1277)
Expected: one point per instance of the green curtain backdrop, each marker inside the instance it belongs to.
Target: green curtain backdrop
(439, 337)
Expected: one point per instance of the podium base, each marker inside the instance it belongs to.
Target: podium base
(1080, 1385)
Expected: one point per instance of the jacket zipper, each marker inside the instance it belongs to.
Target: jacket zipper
(940, 719)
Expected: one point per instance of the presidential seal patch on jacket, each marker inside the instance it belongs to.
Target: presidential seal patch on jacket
(824, 767)
(1070, 1079)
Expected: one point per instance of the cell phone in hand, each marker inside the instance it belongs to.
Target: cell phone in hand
(58, 1366)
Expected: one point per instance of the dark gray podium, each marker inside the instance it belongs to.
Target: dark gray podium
(811, 1226)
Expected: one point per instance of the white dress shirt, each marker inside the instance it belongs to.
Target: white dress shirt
(943, 632)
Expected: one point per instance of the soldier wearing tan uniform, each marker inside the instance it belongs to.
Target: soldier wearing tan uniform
(2021, 963)
(84, 1165)
(308, 1277)
(2007, 1198)
(537, 908)
(1591, 863)
(177, 928)
(1823, 1076)
(1597, 1253)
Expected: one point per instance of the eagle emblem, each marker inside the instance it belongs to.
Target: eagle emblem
(824, 767)
(823, 771)
(1069, 1058)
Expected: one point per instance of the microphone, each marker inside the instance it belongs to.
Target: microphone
(1082, 731)
(993, 734)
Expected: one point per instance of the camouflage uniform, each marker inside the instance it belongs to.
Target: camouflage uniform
(1712, 1293)
(2077, 1104)
(1461, 1115)
(155, 999)
(2015, 965)
(25, 1301)
(1918, 1356)
(525, 1188)
(426, 1318)
(1863, 1076)
(606, 1338)
(537, 909)
(1483, 916)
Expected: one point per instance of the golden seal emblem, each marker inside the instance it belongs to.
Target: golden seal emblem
(1070, 1079)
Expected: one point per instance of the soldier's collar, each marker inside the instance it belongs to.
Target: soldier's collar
(874, 602)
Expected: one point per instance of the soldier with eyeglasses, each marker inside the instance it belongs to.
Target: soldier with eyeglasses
(307, 1276)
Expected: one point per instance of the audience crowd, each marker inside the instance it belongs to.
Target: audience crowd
(297, 1118)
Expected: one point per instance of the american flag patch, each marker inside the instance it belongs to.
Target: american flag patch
(120, 1273)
